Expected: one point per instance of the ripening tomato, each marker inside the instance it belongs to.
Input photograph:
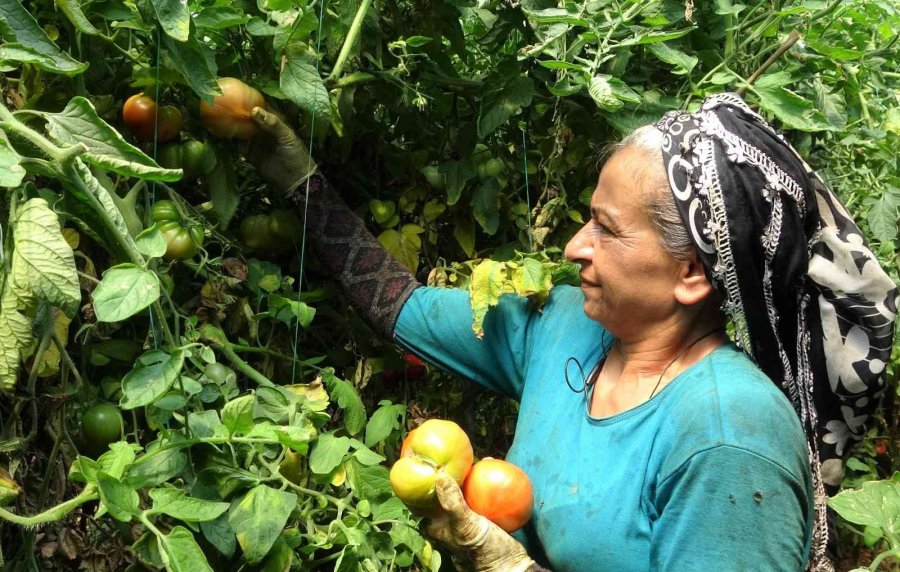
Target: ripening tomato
(433, 447)
(181, 242)
(414, 365)
(228, 116)
(145, 119)
(501, 492)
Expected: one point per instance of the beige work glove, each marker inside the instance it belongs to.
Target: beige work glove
(281, 158)
(487, 545)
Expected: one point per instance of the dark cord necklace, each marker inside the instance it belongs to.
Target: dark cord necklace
(595, 373)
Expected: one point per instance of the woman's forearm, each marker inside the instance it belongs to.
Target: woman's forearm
(377, 283)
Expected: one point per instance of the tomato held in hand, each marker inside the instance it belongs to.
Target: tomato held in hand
(101, 425)
(501, 492)
(228, 116)
(433, 447)
(145, 119)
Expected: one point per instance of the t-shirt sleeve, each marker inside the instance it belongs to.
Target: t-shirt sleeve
(726, 508)
(436, 324)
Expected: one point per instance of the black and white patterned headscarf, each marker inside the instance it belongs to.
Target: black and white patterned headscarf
(809, 301)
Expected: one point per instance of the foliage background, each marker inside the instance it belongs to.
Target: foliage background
(393, 97)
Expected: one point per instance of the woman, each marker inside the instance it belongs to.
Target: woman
(676, 451)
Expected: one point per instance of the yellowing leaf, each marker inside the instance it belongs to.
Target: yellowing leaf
(488, 282)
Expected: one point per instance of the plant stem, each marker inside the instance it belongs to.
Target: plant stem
(886, 554)
(243, 366)
(782, 49)
(53, 514)
(352, 36)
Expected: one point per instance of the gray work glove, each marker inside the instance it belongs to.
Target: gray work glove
(487, 545)
(281, 158)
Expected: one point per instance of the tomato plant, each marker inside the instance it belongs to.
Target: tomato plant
(146, 120)
(435, 446)
(463, 134)
(500, 491)
(228, 116)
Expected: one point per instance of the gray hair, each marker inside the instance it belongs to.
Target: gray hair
(659, 203)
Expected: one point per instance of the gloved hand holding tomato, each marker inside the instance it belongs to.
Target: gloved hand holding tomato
(436, 458)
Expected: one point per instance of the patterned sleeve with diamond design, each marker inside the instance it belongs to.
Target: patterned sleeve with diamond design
(376, 283)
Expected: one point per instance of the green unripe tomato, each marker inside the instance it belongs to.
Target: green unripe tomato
(257, 234)
(285, 225)
(165, 211)
(492, 167)
(220, 374)
(183, 243)
(101, 425)
(193, 157)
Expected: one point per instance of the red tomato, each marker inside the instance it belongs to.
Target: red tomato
(228, 115)
(435, 446)
(501, 492)
(141, 115)
(414, 365)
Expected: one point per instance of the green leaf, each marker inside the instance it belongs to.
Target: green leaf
(218, 532)
(220, 17)
(364, 455)
(153, 375)
(195, 63)
(835, 52)
(11, 172)
(125, 290)
(258, 518)
(328, 452)
(119, 457)
(683, 63)
(486, 205)
(151, 243)
(27, 42)
(877, 503)
(882, 215)
(15, 337)
(156, 467)
(85, 199)
(207, 424)
(464, 233)
(497, 110)
(488, 280)
(794, 111)
(530, 277)
(383, 422)
(296, 438)
(416, 41)
(223, 189)
(79, 123)
(119, 499)
(456, 174)
(404, 244)
(72, 10)
(656, 37)
(181, 553)
(602, 93)
(290, 311)
(348, 399)
(237, 415)
(174, 18)
(371, 483)
(177, 504)
(43, 262)
(302, 84)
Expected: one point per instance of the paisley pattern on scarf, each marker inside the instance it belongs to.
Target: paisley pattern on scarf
(809, 301)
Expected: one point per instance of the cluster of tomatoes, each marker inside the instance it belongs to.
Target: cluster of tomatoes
(227, 117)
(495, 489)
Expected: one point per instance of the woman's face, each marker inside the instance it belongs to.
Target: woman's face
(627, 278)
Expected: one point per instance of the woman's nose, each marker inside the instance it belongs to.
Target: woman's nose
(579, 247)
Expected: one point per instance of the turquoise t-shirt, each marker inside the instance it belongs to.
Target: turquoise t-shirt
(709, 474)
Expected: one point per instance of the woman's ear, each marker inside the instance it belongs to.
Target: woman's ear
(692, 286)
